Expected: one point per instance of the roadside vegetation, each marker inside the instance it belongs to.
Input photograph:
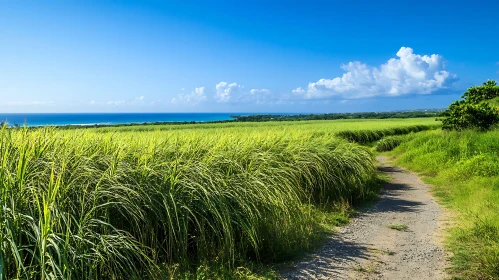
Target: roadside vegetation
(175, 202)
(463, 168)
(462, 164)
(366, 136)
(478, 109)
(390, 142)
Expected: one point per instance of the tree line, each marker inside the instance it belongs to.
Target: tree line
(338, 116)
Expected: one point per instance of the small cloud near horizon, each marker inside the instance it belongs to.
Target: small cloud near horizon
(193, 98)
(226, 92)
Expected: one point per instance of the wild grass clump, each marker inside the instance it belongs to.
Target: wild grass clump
(398, 227)
(388, 143)
(367, 136)
(391, 142)
(80, 204)
(464, 170)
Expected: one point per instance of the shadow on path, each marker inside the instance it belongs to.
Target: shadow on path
(329, 261)
(349, 254)
(390, 197)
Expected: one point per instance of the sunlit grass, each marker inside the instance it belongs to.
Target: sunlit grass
(463, 167)
(104, 203)
(310, 126)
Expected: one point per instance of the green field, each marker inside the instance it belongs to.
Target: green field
(321, 126)
(178, 200)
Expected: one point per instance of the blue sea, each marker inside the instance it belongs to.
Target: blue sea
(33, 119)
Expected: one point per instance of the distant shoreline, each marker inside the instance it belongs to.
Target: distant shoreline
(107, 119)
(86, 120)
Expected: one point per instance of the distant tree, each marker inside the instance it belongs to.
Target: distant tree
(487, 91)
(474, 111)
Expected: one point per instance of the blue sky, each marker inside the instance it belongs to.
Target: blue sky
(243, 56)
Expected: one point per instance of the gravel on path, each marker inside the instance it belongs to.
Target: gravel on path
(396, 238)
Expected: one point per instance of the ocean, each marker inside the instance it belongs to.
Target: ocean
(42, 119)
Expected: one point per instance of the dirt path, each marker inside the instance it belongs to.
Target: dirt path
(368, 249)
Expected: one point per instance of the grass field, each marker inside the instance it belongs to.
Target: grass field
(162, 201)
(463, 168)
(314, 126)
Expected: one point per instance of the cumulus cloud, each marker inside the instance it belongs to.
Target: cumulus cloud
(235, 93)
(226, 92)
(259, 96)
(192, 98)
(409, 73)
(116, 102)
(299, 90)
(259, 91)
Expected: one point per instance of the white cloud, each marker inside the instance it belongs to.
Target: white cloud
(408, 74)
(226, 92)
(192, 98)
(141, 98)
(116, 102)
(258, 91)
(235, 93)
(299, 90)
(259, 96)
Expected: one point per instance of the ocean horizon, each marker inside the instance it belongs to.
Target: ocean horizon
(62, 119)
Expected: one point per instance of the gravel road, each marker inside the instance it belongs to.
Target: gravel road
(368, 248)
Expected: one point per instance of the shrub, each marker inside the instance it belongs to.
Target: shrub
(474, 111)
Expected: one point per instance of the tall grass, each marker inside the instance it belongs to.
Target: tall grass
(365, 136)
(389, 143)
(304, 126)
(464, 170)
(88, 204)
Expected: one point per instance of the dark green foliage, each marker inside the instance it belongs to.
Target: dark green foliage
(477, 94)
(367, 136)
(339, 116)
(474, 111)
(464, 115)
